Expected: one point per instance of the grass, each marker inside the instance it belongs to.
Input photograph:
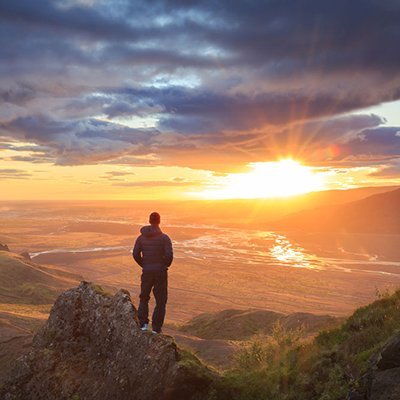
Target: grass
(100, 290)
(24, 282)
(283, 366)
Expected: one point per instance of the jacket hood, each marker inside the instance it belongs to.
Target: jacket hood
(150, 231)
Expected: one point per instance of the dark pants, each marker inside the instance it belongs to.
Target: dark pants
(158, 281)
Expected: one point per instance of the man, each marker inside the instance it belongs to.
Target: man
(153, 252)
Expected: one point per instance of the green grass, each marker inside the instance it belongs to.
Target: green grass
(100, 290)
(282, 366)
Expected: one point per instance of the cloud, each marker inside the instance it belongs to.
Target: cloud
(191, 111)
(74, 142)
(12, 173)
(20, 93)
(42, 159)
(322, 141)
(389, 170)
(156, 183)
(376, 143)
(217, 83)
(117, 175)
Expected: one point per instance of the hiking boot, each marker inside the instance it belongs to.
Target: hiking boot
(145, 327)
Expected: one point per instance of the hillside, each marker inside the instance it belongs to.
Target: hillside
(379, 213)
(87, 328)
(27, 291)
(360, 360)
(243, 324)
(24, 282)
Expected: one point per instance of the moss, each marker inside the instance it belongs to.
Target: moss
(196, 377)
(47, 352)
(189, 361)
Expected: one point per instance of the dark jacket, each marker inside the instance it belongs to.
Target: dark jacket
(153, 249)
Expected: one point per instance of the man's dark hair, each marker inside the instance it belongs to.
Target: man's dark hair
(155, 218)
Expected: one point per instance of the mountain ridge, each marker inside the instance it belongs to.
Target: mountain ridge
(379, 213)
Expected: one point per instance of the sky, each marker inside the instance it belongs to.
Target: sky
(178, 99)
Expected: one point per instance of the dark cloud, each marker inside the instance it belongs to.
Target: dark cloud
(78, 141)
(189, 111)
(378, 142)
(42, 159)
(77, 20)
(318, 34)
(19, 94)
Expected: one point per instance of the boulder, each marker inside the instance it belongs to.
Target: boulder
(92, 348)
(390, 354)
(385, 377)
(385, 385)
(382, 379)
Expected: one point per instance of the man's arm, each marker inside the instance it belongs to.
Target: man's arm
(168, 253)
(137, 251)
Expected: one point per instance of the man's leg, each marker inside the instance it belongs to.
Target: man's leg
(160, 291)
(145, 289)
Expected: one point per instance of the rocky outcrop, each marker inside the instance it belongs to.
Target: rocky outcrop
(92, 348)
(4, 247)
(382, 380)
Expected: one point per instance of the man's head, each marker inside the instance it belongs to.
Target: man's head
(154, 218)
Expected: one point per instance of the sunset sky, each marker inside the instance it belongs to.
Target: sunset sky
(213, 99)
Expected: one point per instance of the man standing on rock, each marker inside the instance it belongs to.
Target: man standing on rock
(153, 252)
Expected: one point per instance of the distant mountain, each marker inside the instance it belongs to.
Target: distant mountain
(379, 213)
(239, 212)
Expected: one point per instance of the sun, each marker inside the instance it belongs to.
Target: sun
(267, 179)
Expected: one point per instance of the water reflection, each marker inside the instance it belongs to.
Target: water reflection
(283, 251)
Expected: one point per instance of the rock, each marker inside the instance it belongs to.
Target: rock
(390, 354)
(354, 395)
(26, 255)
(92, 348)
(385, 377)
(4, 247)
(385, 385)
(382, 379)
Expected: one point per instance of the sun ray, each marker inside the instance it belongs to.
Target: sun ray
(283, 178)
